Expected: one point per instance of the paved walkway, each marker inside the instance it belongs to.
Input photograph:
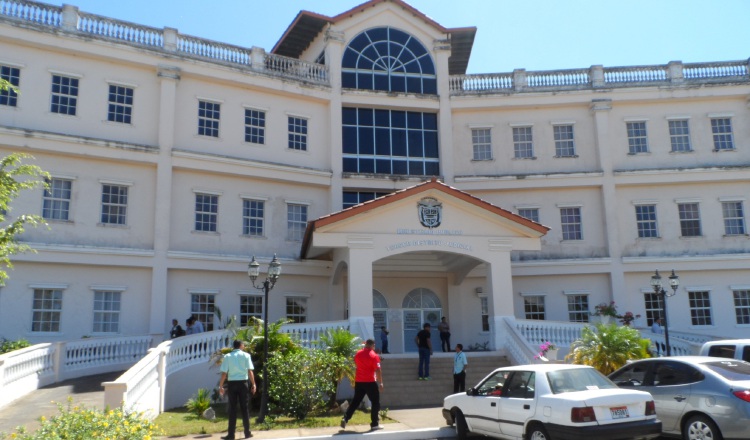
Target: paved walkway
(411, 424)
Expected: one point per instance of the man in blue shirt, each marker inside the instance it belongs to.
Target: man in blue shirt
(236, 369)
(459, 369)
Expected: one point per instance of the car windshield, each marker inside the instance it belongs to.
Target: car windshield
(730, 370)
(578, 379)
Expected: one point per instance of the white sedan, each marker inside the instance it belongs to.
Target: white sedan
(552, 401)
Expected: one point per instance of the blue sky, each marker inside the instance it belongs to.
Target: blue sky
(529, 34)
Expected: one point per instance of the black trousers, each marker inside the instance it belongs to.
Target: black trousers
(238, 393)
(373, 392)
(459, 382)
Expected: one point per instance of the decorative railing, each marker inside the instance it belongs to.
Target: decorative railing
(120, 30)
(598, 77)
(308, 334)
(28, 369)
(561, 334)
(213, 50)
(517, 346)
(558, 78)
(169, 40)
(40, 13)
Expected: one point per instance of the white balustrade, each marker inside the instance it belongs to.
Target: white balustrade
(736, 69)
(34, 12)
(558, 78)
(297, 69)
(308, 334)
(635, 74)
(120, 30)
(213, 50)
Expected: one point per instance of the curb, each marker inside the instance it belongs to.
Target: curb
(410, 434)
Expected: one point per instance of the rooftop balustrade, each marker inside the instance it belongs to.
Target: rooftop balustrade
(68, 18)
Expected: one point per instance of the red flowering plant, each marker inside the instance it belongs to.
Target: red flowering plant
(605, 309)
(628, 317)
(544, 348)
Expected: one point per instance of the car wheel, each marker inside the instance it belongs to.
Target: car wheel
(701, 428)
(462, 430)
(537, 432)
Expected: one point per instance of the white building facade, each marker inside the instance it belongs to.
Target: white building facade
(535, 195)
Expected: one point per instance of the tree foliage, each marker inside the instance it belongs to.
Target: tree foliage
(341, 345)
(15, 176)
(608, 347)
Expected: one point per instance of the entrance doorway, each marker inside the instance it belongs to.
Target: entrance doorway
(421, 306)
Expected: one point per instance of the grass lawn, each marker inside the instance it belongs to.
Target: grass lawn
(180, 422)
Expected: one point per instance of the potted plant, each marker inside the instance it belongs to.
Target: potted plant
(605, 312)
(628, 317)
(547, 352)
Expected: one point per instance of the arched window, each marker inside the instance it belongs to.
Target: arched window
(378, 300)
(388, 59)
(421, 298)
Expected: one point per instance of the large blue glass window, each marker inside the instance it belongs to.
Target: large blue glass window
(388, 59)
(390, 142)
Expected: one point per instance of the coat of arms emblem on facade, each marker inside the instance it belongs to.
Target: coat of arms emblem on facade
(430, 212)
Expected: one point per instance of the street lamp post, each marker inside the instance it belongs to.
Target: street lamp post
(274, 271)
(674, 283)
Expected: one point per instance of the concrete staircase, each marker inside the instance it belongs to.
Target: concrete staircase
(402, 389)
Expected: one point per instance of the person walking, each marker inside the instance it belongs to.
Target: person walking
(459, 369)
(445, 335)
(424, 345)
(657, 329)
(368, 381)
(384, 340)
(237, 371)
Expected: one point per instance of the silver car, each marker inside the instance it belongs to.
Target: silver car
(697, 397)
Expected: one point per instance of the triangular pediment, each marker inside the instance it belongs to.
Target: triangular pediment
(431, 209)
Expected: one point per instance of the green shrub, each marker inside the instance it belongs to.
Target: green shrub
(78, 422)
(300, 382)
(8, 345)
(608, 347)
(200, 402)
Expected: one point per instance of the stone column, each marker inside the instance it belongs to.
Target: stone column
(442, 50)
(69, 20)
(168, 77)
(360, 285)
(333, 52)
(500, 294)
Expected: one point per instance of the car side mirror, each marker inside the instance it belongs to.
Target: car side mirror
(472, 392)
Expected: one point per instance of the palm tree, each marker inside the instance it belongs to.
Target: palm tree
(608, 347)
(341, 344)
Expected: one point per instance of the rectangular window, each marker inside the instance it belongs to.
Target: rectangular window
(734, 218)
(533, 307)
(564, 143)
(700, 308)
(679, 136)
(690, 219)
(13, 76)
(209, 114)
(206, 212)
(637, 140)
(578, 308)
(202, 308)
(523, 144)
(251, 306)
(106, 311)
(297, 133)
(481, 139)
(645, 219)
(570, 220)
(742, 306)
(64, 95)
(296, 221)
(56, 199)
(253, 212)
(529, 213)
(255, 126)
(722, 132)
(485, 313)
(352, 198)
(114, 204)
(296, 310)
(120, 104)
(652, 303)
(46, 310)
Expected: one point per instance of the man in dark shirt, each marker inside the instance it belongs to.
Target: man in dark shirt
(424, 343)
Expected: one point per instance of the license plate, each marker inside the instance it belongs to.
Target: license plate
(620, 412)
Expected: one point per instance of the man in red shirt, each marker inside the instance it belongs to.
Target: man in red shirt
(367, 381)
